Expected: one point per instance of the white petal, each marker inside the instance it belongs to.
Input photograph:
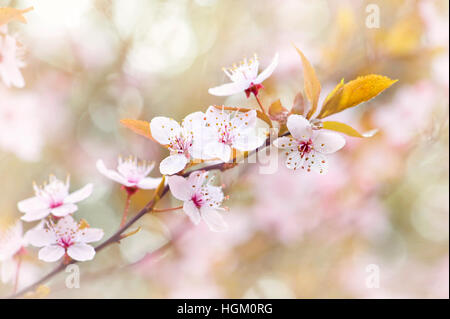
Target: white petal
(229, 88)
(248, 142)
(180, 187)
(213, 219)
(244, 120)
(173, 164)
(316, 162)
(284, 142)
(196, 179)
(32, 204)
(88, 235)
(192, 211)
(215, 195)
(111, 174)
(8, 270)
(268, 71)
(81, 252)
(163, 129)
(218, 150)
(79, 195)
(193, 122)
(41, 237)
(35, 215)
(299, 127)
(64, 210)
(149, 183)
(294, 160)
(51, 253)
(328, 142)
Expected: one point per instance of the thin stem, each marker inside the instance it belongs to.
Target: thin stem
(116, 237)
(154, 210)
(16, 280)
(125, 210)
(260, 104)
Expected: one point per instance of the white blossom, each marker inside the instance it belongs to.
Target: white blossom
(183, 141)
(306, 148)
(245, 78)
(131, 173)
(53, 198)
(202, 200)
(65, 237)
(228, 130)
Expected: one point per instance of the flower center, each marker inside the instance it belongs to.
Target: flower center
(226, 135)
(254, 88)
(197, 199)
(304, 147)
(55, 204)
(65, 242)
(181, 145)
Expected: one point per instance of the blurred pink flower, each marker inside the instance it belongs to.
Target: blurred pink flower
(10, 60)
(53, 198)
(130, 173)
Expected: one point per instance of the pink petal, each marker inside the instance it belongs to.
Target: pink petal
(192, 211)
(173, 164)
(41, 237)
(163, 129)
(51, 253)
(180, 188)
(299, 127)
(35, 215)
(229, 88)
(32, 204)
(213, 219)
(64, 210)
(149, 183)
(89, 235)
(79, 195)
(81, 252)
(111, 174)
(328, 142)
(268, 71)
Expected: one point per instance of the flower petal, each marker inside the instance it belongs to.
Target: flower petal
(299, 127)
(88, 235)
(284, 142)
(32, 204)
(111, 174)
(64, 210)
(79, 195)
(192, 211)
(229, 88)
(180, 187)
(268, 71)
(196, 179)
(294, 160)
(164, 128)
(149, 183)
(316, 162)
(248, 142)
(8, 270)
(328, 142)
(81, 252)
(41, 237)
(51, 253)
(213, 219)
(35, 215)
(173, 164)
(218, 150)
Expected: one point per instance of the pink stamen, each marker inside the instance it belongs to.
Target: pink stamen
(305, 147)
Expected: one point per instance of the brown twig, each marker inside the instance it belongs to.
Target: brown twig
(116, 237)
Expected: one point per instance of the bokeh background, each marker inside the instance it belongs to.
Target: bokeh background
(384, 202)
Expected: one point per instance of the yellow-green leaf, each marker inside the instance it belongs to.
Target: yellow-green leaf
(139, 127)
(346, 129)
(311, 83)
(355, 92)
(12, 14)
